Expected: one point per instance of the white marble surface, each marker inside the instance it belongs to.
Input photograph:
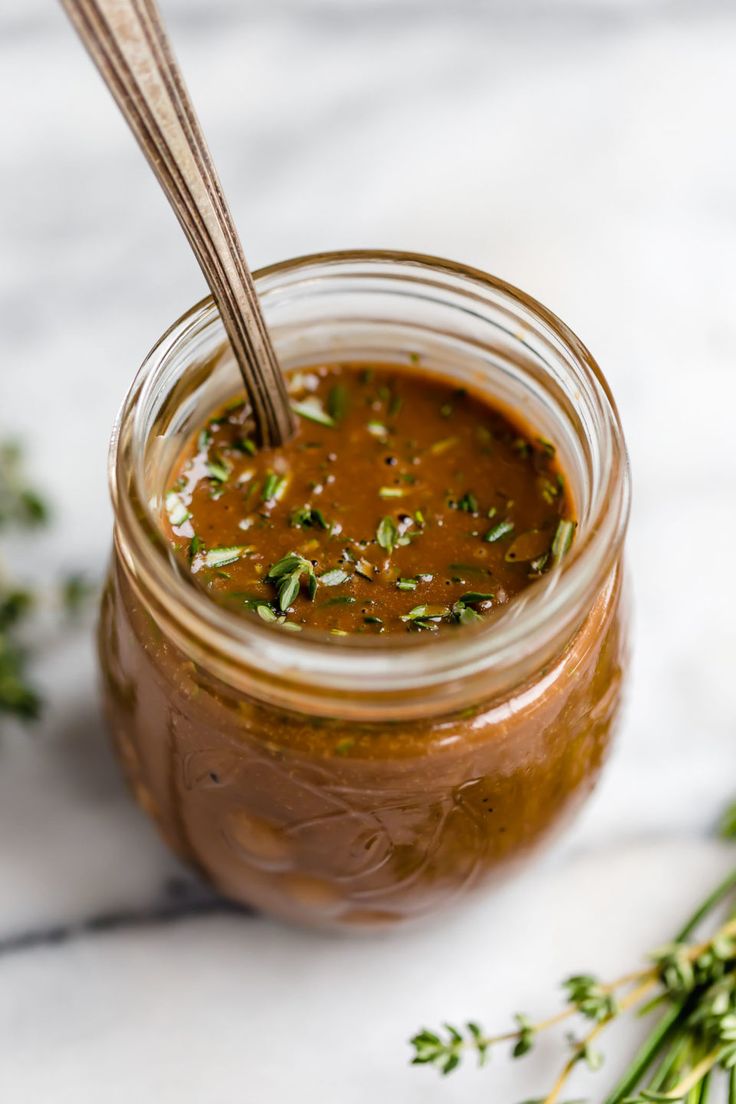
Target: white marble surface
(583, 149)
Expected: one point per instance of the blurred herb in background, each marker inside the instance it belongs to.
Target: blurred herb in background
(21, 507)
(20, 504)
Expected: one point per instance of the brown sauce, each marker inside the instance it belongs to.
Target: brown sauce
(351, 820)
(403, 504)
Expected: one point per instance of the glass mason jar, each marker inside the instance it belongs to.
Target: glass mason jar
(360, 781)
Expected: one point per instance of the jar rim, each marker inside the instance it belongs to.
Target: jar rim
(368, 666)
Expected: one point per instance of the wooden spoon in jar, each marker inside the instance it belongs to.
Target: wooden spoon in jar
(128, 43)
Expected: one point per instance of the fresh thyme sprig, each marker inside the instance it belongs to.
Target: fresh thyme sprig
(693, 983)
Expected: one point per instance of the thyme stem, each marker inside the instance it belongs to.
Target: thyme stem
(672, 1064)
(646, 1055)
(704, 1090)
(695, 1076)
(632, 998)
(712, 900)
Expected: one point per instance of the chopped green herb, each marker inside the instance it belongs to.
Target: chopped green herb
(502, 529)
(196, 545)
(377, 429)
(537, 566)
(307, 517)
(468, 503)
(474, 596)
(334, 577)
(273, 486)
(288, 563)
(413, 582)
(219, 470)
(288, 572)
(425, 617)
(338, 600)
(176, 509)
(548, 490)
(313, 410)
(371, 620)
(391, 492)
(394, 405)
(246, 445)
(265, 612)
(562, 539)
(444, 445)
(338, 402)
(221, 557)
(425, 613)
(289, 590)
(446, 410)
(465, 615)
(387, 534)
(365, 568)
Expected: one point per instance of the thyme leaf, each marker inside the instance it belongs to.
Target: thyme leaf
(334, 577)
(313, 410)
(221, 557)
(387, 534)
(338, 402)
(501, 529)
(307, 517)
(288, 573)
(562, 539)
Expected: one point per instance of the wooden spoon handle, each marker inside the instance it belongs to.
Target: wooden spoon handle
(129, 45)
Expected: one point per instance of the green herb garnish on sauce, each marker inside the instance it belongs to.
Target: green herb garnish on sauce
(502, 529)
(288, 573)
(387, 534)
(334, 577)
(307, 517)
(313, 410)
(220, 557)
(338, 402)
